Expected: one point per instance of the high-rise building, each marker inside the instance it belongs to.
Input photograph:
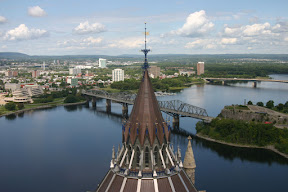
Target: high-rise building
(102, 63)
(147, 160)
(35, 74)
(11, 73)
(118, 75)
(154, 71)
(74, 71)
(200, 68)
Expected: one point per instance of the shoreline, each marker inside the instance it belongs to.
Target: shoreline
(270, 147)
(42, 107)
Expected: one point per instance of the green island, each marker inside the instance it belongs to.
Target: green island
(249, 126)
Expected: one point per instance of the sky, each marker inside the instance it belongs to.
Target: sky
(113, 27)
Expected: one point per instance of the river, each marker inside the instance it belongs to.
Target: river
(68, 149)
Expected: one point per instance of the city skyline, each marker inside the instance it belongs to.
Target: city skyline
(114, 28)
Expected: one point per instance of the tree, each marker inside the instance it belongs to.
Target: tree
(250, 103)
(280, 107)
(10, 106)
(20, 106)
(261, 104)
(270, 104)
(286, 104)
(71, 99)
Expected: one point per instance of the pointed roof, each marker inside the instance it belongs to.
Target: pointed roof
(146, 118)
(189, 160)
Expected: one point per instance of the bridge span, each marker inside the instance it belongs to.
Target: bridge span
(243, 79)
(174, 108)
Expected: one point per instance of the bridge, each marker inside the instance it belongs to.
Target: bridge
(243, 79)
(174, 108)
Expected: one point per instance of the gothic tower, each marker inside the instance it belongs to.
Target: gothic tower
(146, 161)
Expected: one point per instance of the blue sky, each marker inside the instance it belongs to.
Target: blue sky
(113, 27)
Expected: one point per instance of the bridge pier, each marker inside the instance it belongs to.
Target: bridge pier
(176, 121)
(94, 104)
(108, 105)
(125, 110)
(87, 101)
(254, 84)
(223, 82)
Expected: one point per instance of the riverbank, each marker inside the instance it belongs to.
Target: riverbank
(270, 147)
(42, 107)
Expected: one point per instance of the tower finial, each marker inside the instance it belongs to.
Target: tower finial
(145, 51)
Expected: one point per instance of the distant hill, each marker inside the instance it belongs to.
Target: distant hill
(188, 58)
(13, 55)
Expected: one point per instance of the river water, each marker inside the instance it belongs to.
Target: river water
(68, 149)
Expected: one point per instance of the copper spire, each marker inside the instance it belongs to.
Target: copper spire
(146, 119)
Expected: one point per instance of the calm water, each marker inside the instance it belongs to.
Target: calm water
(68, 149)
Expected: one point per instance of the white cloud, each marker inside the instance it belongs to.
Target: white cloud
(231, 31)
(202, 43)
(86, 42)
(257, 29)
(253, 30)
(85, 28)
(36, 11)
(3, 19)
(227, 41)
(128, 43)
(22, 32)
(286, 39)
(91, 40)
(196, 24)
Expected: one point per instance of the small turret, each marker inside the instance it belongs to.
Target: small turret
(189, 161)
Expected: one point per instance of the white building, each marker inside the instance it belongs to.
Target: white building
(74, 71)
(102, 63)
(117, 75)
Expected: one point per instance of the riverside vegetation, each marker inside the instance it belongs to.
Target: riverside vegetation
(68, 95)
(245, 133)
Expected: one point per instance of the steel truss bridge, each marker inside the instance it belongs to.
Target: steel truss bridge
(175, 108)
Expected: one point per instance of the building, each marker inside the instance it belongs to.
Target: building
(31, 89)
(12, 86)
(154, 71)
(200, 68)
(102, 63)
(35, 74)
(185, 72)
(118, 75)
(147, 160)
(74, 71)
(11, 73)
(72, 81)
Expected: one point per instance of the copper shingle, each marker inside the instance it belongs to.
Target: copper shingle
(187, 182)
(131, 185)
(105, 182)
(146, 117)
(164, 185)
(147, 185)
(116, 184)
(178, 185)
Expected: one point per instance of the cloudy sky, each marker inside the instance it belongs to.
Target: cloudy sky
(114, 27)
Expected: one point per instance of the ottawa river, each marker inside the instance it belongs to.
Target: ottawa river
(68, 149)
